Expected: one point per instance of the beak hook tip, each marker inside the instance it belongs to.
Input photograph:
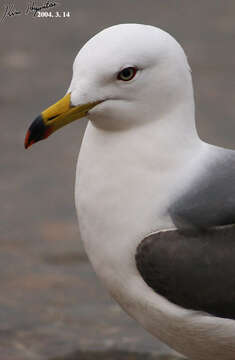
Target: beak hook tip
(26, 141)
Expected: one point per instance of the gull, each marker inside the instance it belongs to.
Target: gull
(155, 204)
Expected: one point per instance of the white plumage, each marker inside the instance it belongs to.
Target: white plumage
(138, 148)
(142, 169)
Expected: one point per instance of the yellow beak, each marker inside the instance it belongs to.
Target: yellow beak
(55, 117)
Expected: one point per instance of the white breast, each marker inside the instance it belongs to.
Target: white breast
(122, 194)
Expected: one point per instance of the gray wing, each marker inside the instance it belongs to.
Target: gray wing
(209, 199)
(195, 270)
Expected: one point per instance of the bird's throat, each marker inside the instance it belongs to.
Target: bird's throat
(125, 182)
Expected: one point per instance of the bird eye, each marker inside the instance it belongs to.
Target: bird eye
(127, 74)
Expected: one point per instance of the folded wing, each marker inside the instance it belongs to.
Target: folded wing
(193, 269)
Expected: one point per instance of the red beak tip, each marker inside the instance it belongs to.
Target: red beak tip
(37, 132)
(27, 145)
(26, 141)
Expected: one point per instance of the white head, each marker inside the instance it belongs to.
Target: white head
(160, 82)
(162, 79)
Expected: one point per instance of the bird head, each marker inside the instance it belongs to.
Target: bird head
(123, 71)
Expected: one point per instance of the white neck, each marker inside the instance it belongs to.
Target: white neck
(125, 180)
(124, 183)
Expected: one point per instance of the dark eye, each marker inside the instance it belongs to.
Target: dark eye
(127, 74)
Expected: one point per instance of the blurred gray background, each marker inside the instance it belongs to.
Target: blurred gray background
(51, 304)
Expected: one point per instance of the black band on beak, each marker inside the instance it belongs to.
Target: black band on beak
(36, 132)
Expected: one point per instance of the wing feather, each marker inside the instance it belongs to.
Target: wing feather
(193, 269)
